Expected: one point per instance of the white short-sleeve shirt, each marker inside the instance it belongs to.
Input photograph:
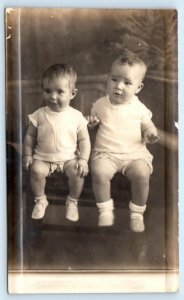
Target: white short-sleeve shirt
(57, 133)
(119, 131)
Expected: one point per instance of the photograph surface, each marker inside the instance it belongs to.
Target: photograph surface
(92, 151)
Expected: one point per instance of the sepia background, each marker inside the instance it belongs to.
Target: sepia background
(91, 39)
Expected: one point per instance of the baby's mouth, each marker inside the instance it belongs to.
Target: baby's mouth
(54, 104)
(118, 94)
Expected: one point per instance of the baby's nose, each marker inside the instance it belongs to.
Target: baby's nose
(120, 85)
(53, 96)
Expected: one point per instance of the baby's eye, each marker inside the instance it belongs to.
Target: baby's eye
(47, 91)
(60, 92)
(114, 79)
(128, 83)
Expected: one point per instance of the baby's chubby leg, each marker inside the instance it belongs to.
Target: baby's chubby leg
(39, 172)
(102, 172)
(76, 183)
(138, 173)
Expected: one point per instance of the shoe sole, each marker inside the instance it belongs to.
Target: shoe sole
(73, 220)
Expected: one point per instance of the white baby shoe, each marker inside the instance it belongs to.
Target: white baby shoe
(72, 213)
(136, 217)
(39, 208)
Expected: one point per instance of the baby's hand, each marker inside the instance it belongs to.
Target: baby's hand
(27, 161)
(150, 135)
(82, 167)
(150, 138)
(92, 121)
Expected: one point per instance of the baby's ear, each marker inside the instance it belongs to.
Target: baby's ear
(140, 87)
(74, 93)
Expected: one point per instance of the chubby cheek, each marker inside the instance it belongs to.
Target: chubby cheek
(61, 98)
(109, 88)
(134, 91)
(45, 96)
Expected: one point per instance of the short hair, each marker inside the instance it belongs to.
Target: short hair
(130, 58)
(58, 70)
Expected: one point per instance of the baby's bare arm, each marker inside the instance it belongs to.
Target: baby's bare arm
(84, 148)
(29, 143)
(149, 133)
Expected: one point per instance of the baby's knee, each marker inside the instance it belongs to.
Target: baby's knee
(138, 174)
(39, 170)
(99, 173)
(95, 169)
(71, 171)
(141, 176)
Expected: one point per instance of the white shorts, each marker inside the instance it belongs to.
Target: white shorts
(60, 166)
(120, 164)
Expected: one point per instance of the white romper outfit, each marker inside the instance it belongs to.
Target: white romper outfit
(119, 134)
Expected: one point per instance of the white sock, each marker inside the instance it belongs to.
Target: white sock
(134, 208)
(106, 216)
(105, 206)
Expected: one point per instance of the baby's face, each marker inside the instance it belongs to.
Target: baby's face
(124, 82)
(57, 93)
